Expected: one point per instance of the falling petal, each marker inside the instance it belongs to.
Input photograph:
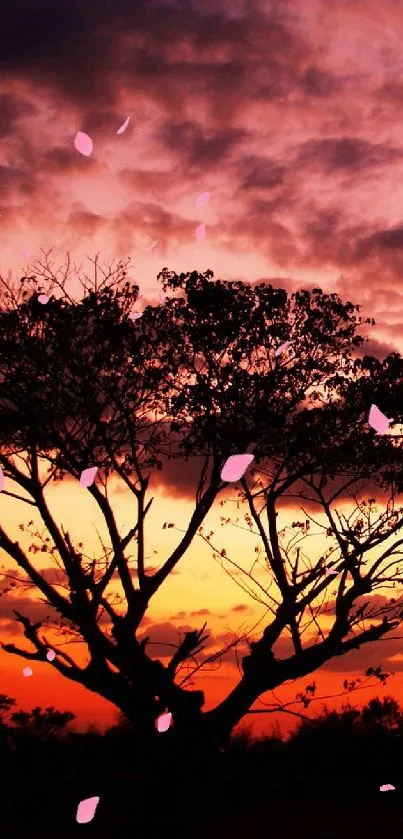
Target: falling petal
(161, 297)
(163, 722)
(1, 480)
(135, 315)
(235, 467)
(86, 809)
(377, 420)
(83, 143)
(27, 671)
(25, 254)
(386, 787)
(43, 298)
(124, 126)
(87, 476)
(151, 247)
(201, 232)
(203, 199)
(50, 655)
(282, 347)
(331, 572)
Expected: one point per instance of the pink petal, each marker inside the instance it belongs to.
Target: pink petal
(201, 232)
(161, 297)
(163, 722)
(377, 420)
(123, 126)
(43, 298)
(135, 315)
(83, 143)
(87, 476)
(386, 787)
(282, 347)
(1, 480)
(50, 655)
(27, 671)
(86, 809)
(25, 254)
(203, 199)
(151, 247)
(331, 572)
(235, 467)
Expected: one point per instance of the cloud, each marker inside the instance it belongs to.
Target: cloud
(197, 148)
(252, 103)
(346, 154)
(84, 222)
(165, 637)
(261, 173)
(27, 606)
(369, 655)
(321, 83)
(12, 109)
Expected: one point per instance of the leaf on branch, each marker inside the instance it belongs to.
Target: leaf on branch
(87, 477)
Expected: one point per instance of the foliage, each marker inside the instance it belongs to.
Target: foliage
(198, 377)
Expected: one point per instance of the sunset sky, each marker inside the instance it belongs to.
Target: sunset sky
(288, 114)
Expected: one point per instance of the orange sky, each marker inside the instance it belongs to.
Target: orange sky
(288, 113)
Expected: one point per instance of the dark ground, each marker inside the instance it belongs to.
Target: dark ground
(322, 783)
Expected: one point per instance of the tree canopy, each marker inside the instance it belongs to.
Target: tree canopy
(201, 376)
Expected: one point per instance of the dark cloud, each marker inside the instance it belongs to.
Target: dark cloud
(27, 606)
(196, 147)
(84, 222)
(377, 349)
(12, 108)
(375, 602)
(321, 83)
(165, 637)
(381, 652)
(261, 173)
(61, 160)
(78, 49)
(348, 154)
(369, 655)
(147, 220)
(381, 241)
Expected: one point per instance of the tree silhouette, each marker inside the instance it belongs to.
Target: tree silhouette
(198, 377)
(42, 724)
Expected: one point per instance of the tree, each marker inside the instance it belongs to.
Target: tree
(41, 724)
(198, 376)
